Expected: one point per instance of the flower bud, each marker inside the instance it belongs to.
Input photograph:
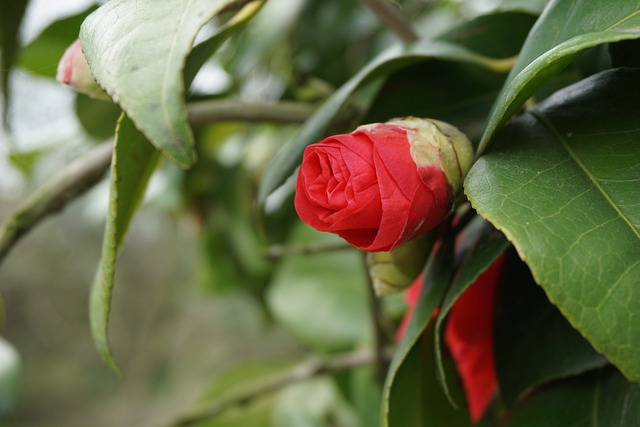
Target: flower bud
(391, 272)
(383, 184)
(74, 71)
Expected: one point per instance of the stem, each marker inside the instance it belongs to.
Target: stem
(71, 183)
(313, 367)
(392, 19)
(205, 112)
(379, 335)
(276, 252)
(89, 169)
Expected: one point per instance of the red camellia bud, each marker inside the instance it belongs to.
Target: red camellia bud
(383, 184)
(74, 71)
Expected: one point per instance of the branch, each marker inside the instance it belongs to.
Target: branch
(205, 112)
(313, 367)
(89, 169)
(73, 181)
(275, 252)
(392, 19)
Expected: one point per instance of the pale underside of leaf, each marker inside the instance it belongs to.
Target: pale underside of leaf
(136, 51)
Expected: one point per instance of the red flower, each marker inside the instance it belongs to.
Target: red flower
(469, 337)
(384, 183)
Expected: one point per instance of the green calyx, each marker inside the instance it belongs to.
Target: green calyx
(438, 143)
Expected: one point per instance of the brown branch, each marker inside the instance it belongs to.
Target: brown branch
(205, 112)
(306, 370)
(392, 19)
(275, 252)
(53, 196)
(89, 169)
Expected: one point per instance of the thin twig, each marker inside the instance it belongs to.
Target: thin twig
(72, 182)
(276, 252)
(205, 112)
(392, 19)
(306, 370)
(89, 169)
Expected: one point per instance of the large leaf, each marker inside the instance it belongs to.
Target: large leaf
(565, 29)
(393, 59)
(134, 160)
(534, 343)
(602, 398)
(401, 401)
(562, 184)
(11, 14)
(137, 51)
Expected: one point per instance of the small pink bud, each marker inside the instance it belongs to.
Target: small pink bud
(74, 71)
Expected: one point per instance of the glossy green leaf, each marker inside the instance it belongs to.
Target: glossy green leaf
(11, 14)
(321, 298)
(602, 398)
(137, 51)
(393, 59)
(534, 343)
(487, 246)
(562, 184)
(565, 29)
(41, 56)
(134, 160)
(397, 409)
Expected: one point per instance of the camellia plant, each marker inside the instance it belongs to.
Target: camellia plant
(475, 164)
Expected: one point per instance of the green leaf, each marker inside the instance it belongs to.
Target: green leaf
(566, 196)
(324, 307)
(97, 117)
(602, 398)
(11, 14)
(10, 377)
(137, 52)
(486, 34)
(134, 160)
(393, 59)
(417, 400)
(565, 29)
(41, 56)
(401, 392)
(486, 248)
(534, 343)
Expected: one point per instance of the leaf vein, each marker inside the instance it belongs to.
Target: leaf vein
(545, 122)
